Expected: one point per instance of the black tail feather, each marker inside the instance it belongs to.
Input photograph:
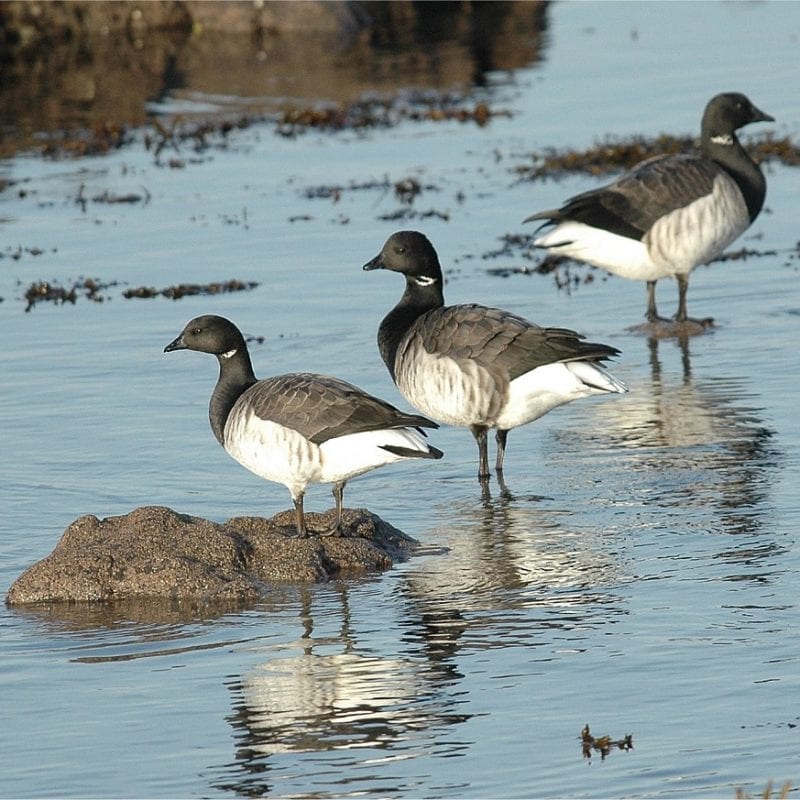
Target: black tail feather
(408, 452)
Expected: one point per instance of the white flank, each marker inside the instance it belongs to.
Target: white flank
(347, 456)
(542, 389)
(272, 451)
(701, 231)
(619, 255)
(675, 245)
(456, 392)
(283, 455)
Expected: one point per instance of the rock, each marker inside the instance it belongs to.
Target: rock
(670, 329)
(155, 552)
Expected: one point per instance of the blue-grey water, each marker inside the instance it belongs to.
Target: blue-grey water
(643, 579)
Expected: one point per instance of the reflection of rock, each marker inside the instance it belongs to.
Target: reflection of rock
(156, 552)
(64, 63)
(670, 329)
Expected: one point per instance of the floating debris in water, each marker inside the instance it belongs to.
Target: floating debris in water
(190, 289)
(743, 254)
(18, 252)
(93, 288)
(603, 744)
(402, 214)
(110, 198)
(50, 291)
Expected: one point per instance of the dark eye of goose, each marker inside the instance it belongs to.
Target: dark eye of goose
(197, 331)
(399, 250)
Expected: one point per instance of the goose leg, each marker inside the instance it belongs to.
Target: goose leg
(682, 315)
(338, 497)
(479, 432)
(500, 438)
(300, 517)
(652, 312)
(683, 286)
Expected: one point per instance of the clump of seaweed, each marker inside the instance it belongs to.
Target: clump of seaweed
(111, 198)
(603, 744)
(616, 155)
(199, 136)
(18, 252)
(385, 112)
(101, 139)
(52, 292)
(190, 289)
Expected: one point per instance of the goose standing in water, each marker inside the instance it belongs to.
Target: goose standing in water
(669, 213)
(477, 367)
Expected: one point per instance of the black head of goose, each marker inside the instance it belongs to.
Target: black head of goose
(299, 428)
(669, 213)
(478, 367)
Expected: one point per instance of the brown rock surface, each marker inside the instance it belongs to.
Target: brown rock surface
(156, 552)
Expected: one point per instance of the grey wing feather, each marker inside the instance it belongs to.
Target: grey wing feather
(321, 407)
(631, 205)
(501, 341)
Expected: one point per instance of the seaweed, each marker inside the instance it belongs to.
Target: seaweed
(603, 744)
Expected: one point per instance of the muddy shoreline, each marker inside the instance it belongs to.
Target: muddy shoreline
(105, 66)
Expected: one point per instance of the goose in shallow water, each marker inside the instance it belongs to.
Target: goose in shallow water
(669, 213)
(478, 367)
(299, 428)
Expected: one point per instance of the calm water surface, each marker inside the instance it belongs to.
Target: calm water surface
(641, 579)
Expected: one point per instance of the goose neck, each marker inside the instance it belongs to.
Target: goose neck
(235, 377)
(727, 151)
(416, 301)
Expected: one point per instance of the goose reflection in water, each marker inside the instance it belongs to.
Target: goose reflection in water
(328, 696)
(694, 442)
(514, 575)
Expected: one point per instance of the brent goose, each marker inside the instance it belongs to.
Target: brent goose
(474, 366)
(299, 428)
(670, 213)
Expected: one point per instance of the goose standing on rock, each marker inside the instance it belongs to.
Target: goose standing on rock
(669, 213)
(478, 367)
(299, 428)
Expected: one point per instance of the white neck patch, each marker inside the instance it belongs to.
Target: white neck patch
(229, 354)
(724, 138)
(424, 280)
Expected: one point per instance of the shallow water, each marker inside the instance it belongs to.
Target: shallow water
(643, 576)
